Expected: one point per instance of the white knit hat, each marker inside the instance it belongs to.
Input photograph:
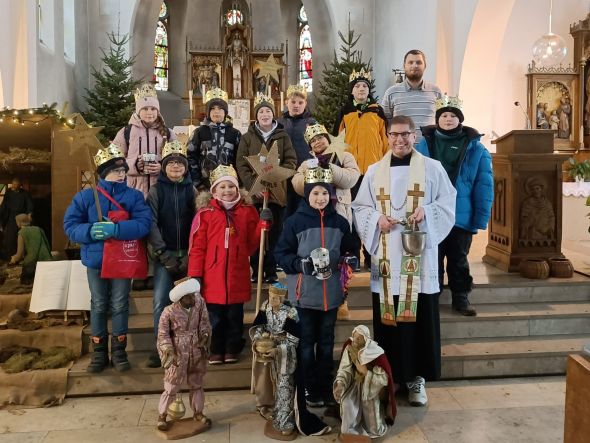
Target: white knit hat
(189, 286)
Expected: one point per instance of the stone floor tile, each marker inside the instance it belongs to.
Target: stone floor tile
(523, 425)
(405, 429)
(23, 437)
(505, 396)
(135, 434)
(79, 413)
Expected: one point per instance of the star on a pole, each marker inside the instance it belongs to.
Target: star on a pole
(267, 169)
(268, 68)
(82, 135)
(338, 146)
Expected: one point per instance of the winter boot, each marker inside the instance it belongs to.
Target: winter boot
(100, 355)
(118, 354)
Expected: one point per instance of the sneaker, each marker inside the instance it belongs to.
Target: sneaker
(313, 401)
(254, 278)
(216, 359)
(231, 358)
(271, 279)
(417, 392)
(279, 269)
(461, 305)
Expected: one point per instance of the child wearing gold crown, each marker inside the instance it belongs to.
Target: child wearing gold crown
(172, 201)
(213, 143)
(313, 242)
(295, 119)
(469, 167)
(224, 234)
(82, 226)
(265, 131)
(142, 140)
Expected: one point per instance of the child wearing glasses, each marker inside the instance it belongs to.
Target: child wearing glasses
(82, 226)
(172, 201)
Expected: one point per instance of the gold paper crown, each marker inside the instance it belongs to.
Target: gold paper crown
(145, 90)
(261, 98)
(362, 74)
(216, 93)
(312, 130)
(222, 171)
(449, 102)
(174, 148)
(318, 175)
(105, 154)
(297, 89)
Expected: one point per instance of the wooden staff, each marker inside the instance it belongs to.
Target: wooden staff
(261, 254)
(93, 184)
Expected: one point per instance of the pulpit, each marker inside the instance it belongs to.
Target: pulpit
(526, 214)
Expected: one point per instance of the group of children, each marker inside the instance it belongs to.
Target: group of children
(188, 203)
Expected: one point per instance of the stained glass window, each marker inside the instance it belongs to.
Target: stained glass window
(234, 16)
(161, 50)
(305, 51)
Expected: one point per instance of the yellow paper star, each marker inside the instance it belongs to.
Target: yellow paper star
(338, 146)
(268, 68)
(82, 135)
(267, 169)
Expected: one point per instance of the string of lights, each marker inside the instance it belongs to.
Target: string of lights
(35, 115)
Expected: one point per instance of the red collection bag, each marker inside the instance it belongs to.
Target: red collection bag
(122, 258)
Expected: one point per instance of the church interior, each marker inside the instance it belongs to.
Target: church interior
(519, 371)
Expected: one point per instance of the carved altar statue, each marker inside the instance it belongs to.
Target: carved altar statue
(537, 218)
(565, 109)
(236, 53)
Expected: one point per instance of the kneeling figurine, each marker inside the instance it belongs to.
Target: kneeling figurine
(364, 388)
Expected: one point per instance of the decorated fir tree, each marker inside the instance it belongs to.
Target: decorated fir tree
(334, 92)
(111, 102)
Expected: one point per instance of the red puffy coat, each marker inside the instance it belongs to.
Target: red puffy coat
(220, 249)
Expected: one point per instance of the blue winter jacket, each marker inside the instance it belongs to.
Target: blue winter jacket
(474, 182)
(295, 127)
(304, 231)
(81, 214)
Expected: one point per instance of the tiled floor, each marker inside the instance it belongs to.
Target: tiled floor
(501, 410)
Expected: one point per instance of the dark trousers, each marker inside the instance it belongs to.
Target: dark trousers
(455, 248)
(272, 236)
(411, 348)
(315, 350)
(355, 236)
(227, 327)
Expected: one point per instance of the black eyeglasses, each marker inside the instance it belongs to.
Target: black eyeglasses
(404, 135)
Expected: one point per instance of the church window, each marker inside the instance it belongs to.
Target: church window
(161, 50)
(305, 50)
(45, 10)
(233, 17)
(69, 30)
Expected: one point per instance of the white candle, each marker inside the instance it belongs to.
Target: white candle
(203, 92)
(268, 90)
(190, 99)
(282, 100)
(582, 136)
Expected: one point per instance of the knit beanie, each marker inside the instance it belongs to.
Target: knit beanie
(223, 173)
(109, 158)
(263, 101)
(215, 102)
(307, 187)
(174, 150)
(449, 104)
(146, 96)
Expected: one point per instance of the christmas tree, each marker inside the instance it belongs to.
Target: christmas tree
(334, 92)
(111, 103)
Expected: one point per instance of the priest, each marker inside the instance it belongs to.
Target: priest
(405, 188)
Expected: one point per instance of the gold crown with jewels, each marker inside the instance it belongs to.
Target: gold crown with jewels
(297, 89)
(222, 171)
(263, 98)
(174, 147)
(449, 102)
(362, 74)
(105, 154)
(312, 130)
(318, 175)
(216, 93)
(144, 91)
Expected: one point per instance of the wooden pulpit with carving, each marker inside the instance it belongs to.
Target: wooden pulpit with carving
(526, 214)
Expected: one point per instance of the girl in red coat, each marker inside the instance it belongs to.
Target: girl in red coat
(224, 234)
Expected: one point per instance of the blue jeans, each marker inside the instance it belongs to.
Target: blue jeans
(163, 284)
(104, 294)
(316, 332)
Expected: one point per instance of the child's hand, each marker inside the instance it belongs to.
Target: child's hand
(153, 168)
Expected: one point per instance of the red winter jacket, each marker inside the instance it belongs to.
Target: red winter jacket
(221, 260)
